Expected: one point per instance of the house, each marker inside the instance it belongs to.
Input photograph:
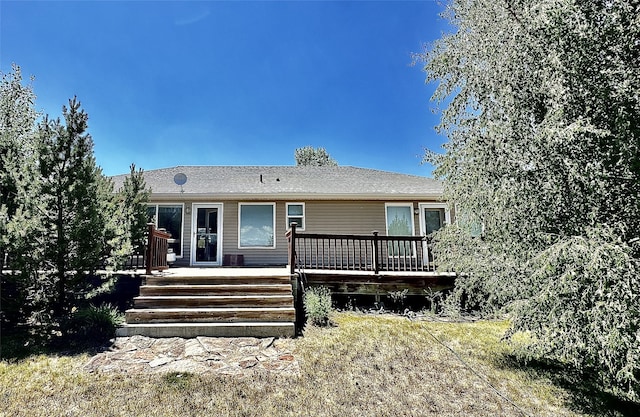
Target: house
(238, 215)
(241, 216)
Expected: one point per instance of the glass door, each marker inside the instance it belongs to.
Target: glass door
(433, 219)
(433, 216)
(206, 247)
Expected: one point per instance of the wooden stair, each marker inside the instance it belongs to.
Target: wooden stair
(257, 305)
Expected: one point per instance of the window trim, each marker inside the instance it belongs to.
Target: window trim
(287, 216)
(194, 222)
(411, 216)
(422, 206)
(168, 204)
(390, 246)
(459, 216)
(272, 204)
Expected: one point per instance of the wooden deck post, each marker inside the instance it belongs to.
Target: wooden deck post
(374, 258)
(148, 262)
(292, 248)
(157, 248)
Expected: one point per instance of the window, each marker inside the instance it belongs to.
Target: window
(470, 223)
(399, 219)
(399, 223)
(168, 217)
(433, 219)
(433, 216)
(295, 213)
(256, 225)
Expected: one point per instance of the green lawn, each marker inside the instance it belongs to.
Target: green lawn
(366, 365)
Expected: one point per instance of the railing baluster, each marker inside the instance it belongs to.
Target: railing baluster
(304, 252)
(354, 260)
(325, 257)
(357, 252)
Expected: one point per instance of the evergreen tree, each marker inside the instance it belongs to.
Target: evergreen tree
(78, 201)
(59, 216)
(136, 195)
(130, 220)
(20, 248)
(18, 176)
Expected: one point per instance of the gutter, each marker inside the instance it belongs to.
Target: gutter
(293, 196)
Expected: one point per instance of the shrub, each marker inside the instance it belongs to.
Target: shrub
(398, 299)
(317, 305)
(585, 309)
(96, 323)
(489, 277)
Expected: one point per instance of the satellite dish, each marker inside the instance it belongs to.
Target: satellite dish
(180, 179)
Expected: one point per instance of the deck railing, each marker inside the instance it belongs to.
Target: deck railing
(370, 253)
(157, 248)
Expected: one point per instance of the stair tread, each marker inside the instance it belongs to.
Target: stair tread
(190, 297)
(243, 275)
(234, 289)
(214, 324)
(224, 329)
(212, 309)
(221, 277)
(218, 285)
(220, 305)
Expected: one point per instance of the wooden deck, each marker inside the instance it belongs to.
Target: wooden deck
(231, 302)
(346, 282)
(369, 283)
(221, 271)
(366, 264)
(242, 301)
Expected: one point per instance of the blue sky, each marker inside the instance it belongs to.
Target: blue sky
(233, 83)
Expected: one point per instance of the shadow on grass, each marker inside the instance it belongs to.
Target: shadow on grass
(21, 343)
(586, 394)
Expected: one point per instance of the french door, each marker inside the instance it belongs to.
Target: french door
(433, 216)
(206, 232)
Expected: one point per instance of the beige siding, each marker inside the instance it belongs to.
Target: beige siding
(350, 217)
(340, 217)
(345, 217)
(186, 235)
(267, 256)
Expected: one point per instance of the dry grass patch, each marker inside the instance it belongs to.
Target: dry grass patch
(366, 365)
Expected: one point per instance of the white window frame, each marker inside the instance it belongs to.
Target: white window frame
(422, 206)
(194, 228)
(460, 216)
(300, 227)
(155, 216)
(411, 216)
(413, 229)
(240, 205)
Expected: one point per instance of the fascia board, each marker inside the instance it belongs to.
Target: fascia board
(293, 196)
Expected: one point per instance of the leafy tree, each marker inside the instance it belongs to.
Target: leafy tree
(310, 156)
(542, 102)
(77, 198)
(582, 308)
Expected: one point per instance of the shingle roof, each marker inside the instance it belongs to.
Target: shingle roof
(303, 181)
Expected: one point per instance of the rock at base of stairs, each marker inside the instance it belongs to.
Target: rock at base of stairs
(188, 330)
